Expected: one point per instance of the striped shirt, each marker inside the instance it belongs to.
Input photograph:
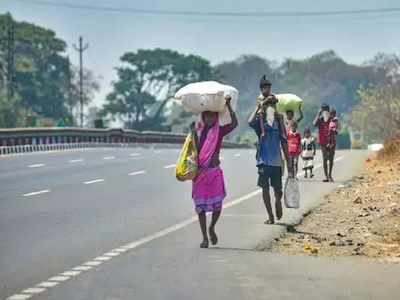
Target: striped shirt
(323, 131)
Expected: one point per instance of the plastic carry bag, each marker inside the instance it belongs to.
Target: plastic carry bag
(292, 193)
(208, 96)
(187, 164)
(288, 102)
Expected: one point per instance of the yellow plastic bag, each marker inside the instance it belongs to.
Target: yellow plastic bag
(187, 165)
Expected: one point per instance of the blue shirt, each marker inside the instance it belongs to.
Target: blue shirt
(269, 147)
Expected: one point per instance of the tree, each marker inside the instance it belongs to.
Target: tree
(147, 82)
(378, 113)
(40, 69)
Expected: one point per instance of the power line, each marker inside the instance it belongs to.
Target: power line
(270, 14)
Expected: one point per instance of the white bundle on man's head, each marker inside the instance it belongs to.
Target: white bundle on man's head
(208, 96)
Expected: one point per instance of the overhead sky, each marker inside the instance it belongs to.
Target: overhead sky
(356, 37)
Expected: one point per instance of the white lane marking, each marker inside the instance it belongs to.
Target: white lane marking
(82, 268)
(112, 254)
(130, 246)
(36, 193)
(108, 157)
(34, 291)
(135, 154)
(94, 181)
(47, 284)
(93, 263)
(59, 278)
(71, 273)
(137, 173)
(102, 258)
(157, 151)
(120, 250)
(238, 154)
(72, 161)
(170, 166)
(339, 158)
(19, 297)
(318, 166)
(36, 165)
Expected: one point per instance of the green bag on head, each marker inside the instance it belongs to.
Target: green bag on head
(288, 102)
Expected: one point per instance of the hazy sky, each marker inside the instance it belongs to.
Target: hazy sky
(110, 34)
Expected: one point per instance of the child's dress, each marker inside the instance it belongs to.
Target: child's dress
(308, 152)
(294, 145)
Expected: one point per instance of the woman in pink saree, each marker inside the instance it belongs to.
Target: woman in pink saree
(209, 186)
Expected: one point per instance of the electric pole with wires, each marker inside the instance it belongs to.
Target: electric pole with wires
(81, 49)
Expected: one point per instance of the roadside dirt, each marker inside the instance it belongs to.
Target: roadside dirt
(361, 218)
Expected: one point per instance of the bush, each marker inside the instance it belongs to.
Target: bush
(391, 149)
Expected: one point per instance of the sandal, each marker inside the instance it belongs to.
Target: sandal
(213, 237)
(269, 222)
(204, 245)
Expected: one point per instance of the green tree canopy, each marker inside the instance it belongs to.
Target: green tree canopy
(147, 81)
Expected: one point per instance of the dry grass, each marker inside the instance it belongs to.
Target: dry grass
(390, 150)
(361, 219)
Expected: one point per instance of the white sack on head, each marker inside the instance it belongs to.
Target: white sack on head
(208, 96)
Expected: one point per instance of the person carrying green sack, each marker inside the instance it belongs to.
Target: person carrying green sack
(289, 104)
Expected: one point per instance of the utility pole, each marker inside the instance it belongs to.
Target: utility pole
(81, 49)
(10, 57)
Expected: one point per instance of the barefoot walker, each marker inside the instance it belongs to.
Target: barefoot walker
(269, 126)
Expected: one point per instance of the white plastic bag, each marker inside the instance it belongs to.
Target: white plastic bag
(292, 193)
(208, 96)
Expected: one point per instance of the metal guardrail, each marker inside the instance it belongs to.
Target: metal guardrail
(23, 140)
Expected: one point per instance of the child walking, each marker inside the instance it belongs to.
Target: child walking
(294, 145)
(209, 186)
(308, 148)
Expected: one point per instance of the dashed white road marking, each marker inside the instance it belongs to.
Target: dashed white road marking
(59, 278)
(339, 158)
(34, 291)
(170, 166)
(130, 246)
(94, 181)
(36, 193)
(108, 157)
(238, 154)
(36, 165)
(135, 154)
(82, 268)
(71, 273)
(157, 151)
(92, 263)
(112, 254)
(72, 161)
(102, 258)
(137, 173)
(48, 284)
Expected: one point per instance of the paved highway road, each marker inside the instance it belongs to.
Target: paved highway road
(115, 224)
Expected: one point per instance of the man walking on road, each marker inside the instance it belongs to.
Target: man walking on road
(326, 131)
(270, 129)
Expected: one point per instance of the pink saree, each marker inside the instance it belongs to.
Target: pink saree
(208, 187)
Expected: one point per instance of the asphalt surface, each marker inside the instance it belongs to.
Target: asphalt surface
(115, 224)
